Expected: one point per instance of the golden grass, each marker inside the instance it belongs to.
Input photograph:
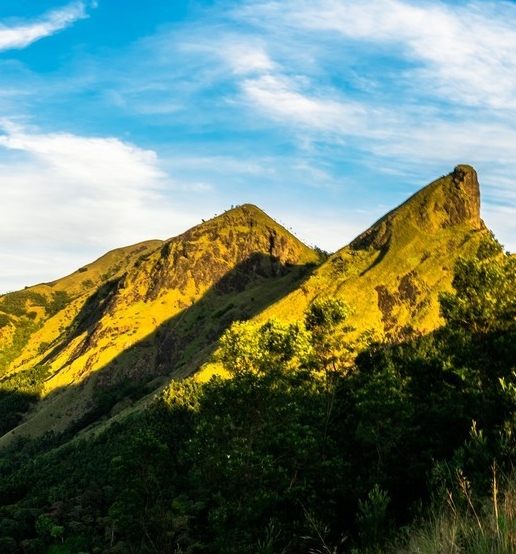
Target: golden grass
(468, 526)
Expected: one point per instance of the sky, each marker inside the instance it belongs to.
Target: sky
(124, 121)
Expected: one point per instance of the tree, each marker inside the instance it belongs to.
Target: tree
(485, 295)
(270, 348)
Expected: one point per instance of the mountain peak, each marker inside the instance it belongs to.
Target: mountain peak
(453, 200)
(392, 274)
(466, 194)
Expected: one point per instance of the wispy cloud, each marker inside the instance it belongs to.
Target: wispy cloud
(464, 52)
(282, 98)
(21, 35)
(74, 197)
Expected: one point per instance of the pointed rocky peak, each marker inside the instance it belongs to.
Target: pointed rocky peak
(453, 200)
(243, 240)
(464, 198)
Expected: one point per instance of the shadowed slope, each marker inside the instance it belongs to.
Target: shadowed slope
(160, 315)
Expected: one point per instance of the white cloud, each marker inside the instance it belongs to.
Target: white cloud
(67, 199)
(295, 102)
(248, 60)
(88, 161)
(244, 54)
(463, 52)
(22, 35)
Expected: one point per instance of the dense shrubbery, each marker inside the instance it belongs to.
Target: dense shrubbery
(304, 449)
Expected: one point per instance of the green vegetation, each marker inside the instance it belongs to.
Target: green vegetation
(15, 303)
(363, 406)
(10, 350)
(17, 392)
(407, 447)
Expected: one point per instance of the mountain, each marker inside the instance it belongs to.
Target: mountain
(95, 343)
(392, 274)
(142, 314)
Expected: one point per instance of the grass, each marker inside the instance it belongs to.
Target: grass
(465, 525)
(409, 253)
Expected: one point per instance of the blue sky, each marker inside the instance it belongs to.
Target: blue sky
(124, 121)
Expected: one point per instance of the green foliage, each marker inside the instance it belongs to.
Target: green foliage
(271, 347)
(484, 299)
(60, 299)
(323, 319)
(464, 523)
(10, 350)
(302, 450)
(372, 519)
(15, 303)
(324, 315)
(17, 393)
(4, 320)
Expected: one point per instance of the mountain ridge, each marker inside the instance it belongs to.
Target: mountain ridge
(385, 271)
(172, 301)
(154, 311)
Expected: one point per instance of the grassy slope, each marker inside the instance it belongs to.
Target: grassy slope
(163, 313)
(391, 274)
(77, 287)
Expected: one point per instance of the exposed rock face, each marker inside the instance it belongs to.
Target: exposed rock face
(463, 203)
(227, 253)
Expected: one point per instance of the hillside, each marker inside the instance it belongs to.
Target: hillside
(92, 343)
(392, 273)
(145, 313)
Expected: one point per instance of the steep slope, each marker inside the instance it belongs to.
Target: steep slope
(391, 275)
(23, 312)
(155, 316)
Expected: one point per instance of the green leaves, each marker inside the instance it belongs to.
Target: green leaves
(485, 295)
(324, 315)
(272, 347)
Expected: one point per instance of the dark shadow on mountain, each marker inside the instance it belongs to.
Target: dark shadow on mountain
(93, 309)
(181, 344)
(381, 255)
(13, 406)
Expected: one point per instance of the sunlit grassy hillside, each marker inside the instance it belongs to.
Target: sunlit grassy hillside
(391, 275)
(33, 318)
(151, 311)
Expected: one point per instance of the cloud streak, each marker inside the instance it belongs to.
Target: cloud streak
(463, 52)
(74, 197)
(22, 35)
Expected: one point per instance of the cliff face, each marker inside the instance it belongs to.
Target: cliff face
(464, 201)
(451, 201)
